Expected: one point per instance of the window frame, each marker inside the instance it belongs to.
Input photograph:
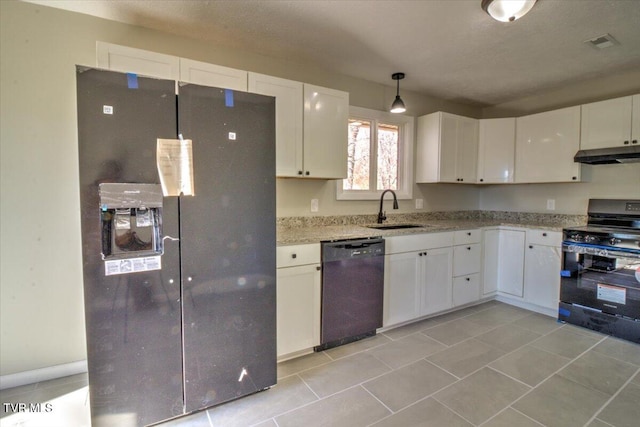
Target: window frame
(405, 154)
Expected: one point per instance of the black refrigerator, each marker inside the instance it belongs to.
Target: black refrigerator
(179, 290)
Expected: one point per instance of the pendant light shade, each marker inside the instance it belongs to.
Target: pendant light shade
(507, 10)
(398, 104)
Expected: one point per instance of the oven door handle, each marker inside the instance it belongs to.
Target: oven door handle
(600, 250)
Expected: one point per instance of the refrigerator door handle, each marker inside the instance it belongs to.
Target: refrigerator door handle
(173, 239)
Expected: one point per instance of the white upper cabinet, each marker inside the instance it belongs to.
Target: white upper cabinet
(202, 73)
(546, 144)
(152, 64)
(311, 127)
(326, 116)
(496, 150)
(607, 123)
(129, 60)
(289, 123)
(447, 148)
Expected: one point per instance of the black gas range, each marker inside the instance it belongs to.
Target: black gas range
(600, 277)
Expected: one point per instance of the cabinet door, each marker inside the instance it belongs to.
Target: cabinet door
(402, 276)
(326, 114)
(298, 308)
(510, 262)
(606, 123)
(435, 277)
(546, 144)
(466, 289)
(448, 147)
(466, 259)
(496, 150)
(129, 60)
(289, 111)
(542, 275)
(467, 150)
(491, 262)
(635, 120)
(205, 74)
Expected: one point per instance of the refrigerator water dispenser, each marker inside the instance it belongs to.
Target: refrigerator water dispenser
(131, 220)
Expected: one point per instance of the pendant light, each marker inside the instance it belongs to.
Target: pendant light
(507, 10)
(398, 105)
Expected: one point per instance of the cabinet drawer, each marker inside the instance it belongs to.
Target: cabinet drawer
(466, 259)
(290, 256)
(466, 289)
(544, 237)
(417, 242)
(462, 237)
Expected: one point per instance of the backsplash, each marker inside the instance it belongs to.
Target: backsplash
(504, 216)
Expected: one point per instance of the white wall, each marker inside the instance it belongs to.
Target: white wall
(598, 182)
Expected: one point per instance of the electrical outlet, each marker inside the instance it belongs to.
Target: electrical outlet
(314, 205)
(551, 204)
(419, 203)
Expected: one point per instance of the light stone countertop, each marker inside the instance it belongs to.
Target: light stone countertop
(301, 230)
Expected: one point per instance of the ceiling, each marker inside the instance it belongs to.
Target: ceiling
(449, 49)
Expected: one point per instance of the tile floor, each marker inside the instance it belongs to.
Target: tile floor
(490, 365)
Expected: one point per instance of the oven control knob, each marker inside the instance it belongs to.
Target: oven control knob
(613, 241)
(590, 239)
(576, 237)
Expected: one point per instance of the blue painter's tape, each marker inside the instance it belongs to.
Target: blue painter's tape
(565, 273)
(132, 81)
(564, 312)
(228, 98)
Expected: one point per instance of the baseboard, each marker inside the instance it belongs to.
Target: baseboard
(42, 374)
(528, 306)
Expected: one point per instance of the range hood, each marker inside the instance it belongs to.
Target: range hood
(606, 156)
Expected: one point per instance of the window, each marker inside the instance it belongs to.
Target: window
(379, 155)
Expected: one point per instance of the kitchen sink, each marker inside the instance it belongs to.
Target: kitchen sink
(394, 226)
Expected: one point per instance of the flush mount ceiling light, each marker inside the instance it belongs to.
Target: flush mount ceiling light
(507, 10)
(398, 105)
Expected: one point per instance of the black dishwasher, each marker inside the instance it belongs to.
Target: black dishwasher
(352, 290)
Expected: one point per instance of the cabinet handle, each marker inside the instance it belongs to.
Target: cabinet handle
(468, 248)
(294, 256)
(468, 279)
(544, 234)
(469, 234)
(635, 141)
(574, 178)
(307, 173)
(481, 180)
(626, 143)
(318, 268)
(530, 247)
(299, 172)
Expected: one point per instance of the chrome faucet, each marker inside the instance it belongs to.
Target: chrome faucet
(383, 215)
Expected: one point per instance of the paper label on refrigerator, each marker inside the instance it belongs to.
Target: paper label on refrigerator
(132, 265)
(174, 158)
(613, 294)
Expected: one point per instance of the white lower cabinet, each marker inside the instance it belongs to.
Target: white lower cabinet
(418, 273)
(298, 298)
(504, 262)
(435, 280)
(522, 266)
(466, 289)
(542, 262)
(466, 267)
